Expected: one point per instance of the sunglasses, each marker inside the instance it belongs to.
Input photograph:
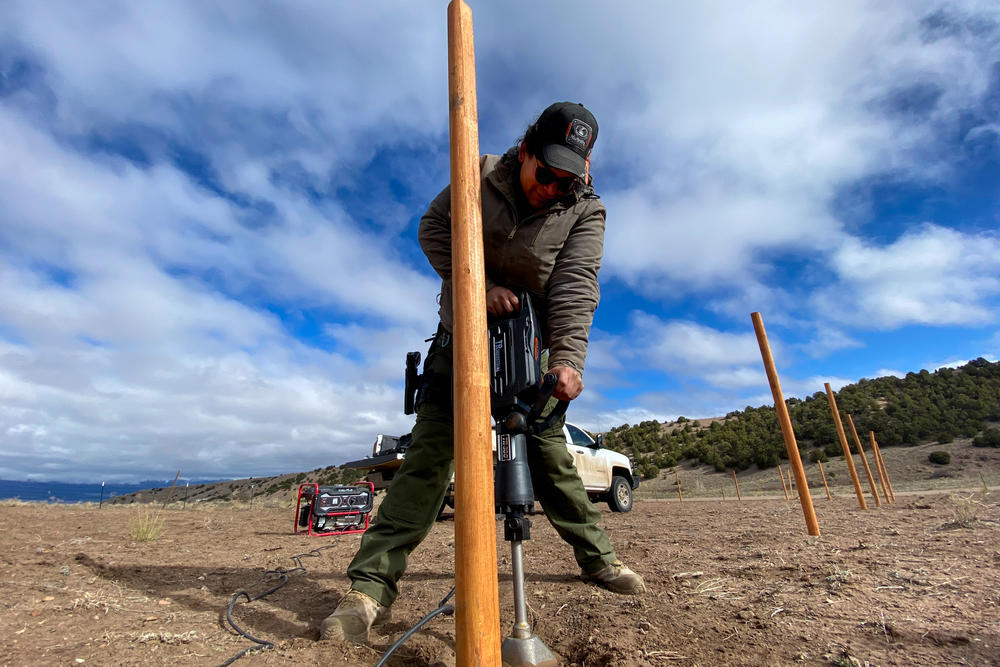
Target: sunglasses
(545, 176)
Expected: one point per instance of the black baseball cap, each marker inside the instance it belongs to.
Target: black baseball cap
(567, 131)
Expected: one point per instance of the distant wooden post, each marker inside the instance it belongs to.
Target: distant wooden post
(737, 483)
(878, 468)
(170, 492)
(812, 525)
(885, 470)
(843, 443)
(677, 481)
(825, 485)
(864, 459)
(781, 476)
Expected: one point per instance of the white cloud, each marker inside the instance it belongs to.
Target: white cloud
(687, 346)
(149, 309)
(809, 386)
(738, 378)
(735, 166)
(930, 275)
(115, 281)
(827, 340)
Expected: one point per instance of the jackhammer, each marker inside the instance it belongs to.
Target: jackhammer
(519, 395)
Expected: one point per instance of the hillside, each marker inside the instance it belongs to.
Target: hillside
(954, 410)
(918, 409)
(263, 490)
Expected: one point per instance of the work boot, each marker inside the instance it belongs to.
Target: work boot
(353, 618)
(618, 579)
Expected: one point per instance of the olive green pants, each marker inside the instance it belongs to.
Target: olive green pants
(412, 502)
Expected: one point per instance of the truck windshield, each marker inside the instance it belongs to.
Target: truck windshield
(579, 437)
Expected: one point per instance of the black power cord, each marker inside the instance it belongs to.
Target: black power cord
(282, 576)
(443, 608)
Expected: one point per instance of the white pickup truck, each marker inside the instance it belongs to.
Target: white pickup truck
(607, 475)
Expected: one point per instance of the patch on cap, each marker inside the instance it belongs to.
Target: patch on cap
(579, 135)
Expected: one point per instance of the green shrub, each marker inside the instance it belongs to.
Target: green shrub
(940, 458)
(818, 455)
(989, 438)
(648, 471)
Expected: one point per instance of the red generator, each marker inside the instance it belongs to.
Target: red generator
(336, 509)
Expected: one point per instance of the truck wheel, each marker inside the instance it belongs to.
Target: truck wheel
(620, 495)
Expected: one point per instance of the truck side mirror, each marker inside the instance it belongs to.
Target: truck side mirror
(599, 440)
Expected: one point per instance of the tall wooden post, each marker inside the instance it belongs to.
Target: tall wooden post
(881, 465)
(737, 483)
(781, 476)
(825, 485)
(812, 525)
(878, 469)
(677, 481)
(477, 604)
(845, 446)
(864, 459)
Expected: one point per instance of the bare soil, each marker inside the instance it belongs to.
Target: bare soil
(916, 582)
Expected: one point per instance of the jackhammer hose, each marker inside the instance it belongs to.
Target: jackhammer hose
(443, 608)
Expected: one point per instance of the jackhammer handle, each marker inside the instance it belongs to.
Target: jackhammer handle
(549, 382)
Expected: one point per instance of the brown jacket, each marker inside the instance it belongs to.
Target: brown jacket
(554, 253)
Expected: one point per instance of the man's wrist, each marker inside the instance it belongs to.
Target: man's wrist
(565, 363)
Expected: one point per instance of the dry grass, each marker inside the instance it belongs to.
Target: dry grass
(716, 589)
(965, 510)
(146, 525)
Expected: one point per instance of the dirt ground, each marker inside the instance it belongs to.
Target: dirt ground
(913, 583)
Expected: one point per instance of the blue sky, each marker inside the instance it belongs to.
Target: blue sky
(208, 211)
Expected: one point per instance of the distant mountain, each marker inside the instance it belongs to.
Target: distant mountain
(253, 489)
(68, 492)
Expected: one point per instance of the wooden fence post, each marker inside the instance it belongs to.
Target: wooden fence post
(781, 475)
(881, 462)
(477, 604)
(845, 446)
(794, 460)
(677, 481)
(825, 485)
(864, 459)
(879, 469)
(737, 483)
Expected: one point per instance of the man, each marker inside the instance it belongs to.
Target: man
(543, 231)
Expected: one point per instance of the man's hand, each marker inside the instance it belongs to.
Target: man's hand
(500, 301)
(570, 383)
